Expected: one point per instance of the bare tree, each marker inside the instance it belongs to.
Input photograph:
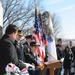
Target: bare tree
(20, 12)
(56, 20)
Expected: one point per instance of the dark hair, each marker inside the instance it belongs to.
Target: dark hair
(11, 28)
(59, 39)
(67, 47)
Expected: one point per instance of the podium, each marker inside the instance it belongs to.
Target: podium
(52, 65)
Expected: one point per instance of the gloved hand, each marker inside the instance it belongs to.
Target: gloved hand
(12, 68)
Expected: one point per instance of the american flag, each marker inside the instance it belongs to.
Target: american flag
(24, 72)
(43, 35)
(41, 29)
(12, 68)
(37, 35)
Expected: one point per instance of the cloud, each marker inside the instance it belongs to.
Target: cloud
(66, 8)
(48, 2)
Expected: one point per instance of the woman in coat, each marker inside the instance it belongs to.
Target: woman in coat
(67, 60)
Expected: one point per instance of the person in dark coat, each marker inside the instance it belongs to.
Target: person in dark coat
(59, 49)
(73, 50)
(26, 45)
(19, 46)
(60, 54)
(7, 49)
(73, 62)
(33, 58)
(68, 58)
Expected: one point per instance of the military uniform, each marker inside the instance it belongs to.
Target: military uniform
(19, 49)
(32, 59)
(19, 46)
(26, 46)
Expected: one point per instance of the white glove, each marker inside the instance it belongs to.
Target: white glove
(62, 59)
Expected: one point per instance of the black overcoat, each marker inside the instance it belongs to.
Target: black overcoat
(8, 54)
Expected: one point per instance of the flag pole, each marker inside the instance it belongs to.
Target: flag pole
(51, 56)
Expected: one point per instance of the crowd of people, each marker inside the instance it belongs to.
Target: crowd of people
(13, 51)
(66, 53)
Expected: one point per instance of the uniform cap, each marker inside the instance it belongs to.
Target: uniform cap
(20, 33)
(33, 43)
(28, 36)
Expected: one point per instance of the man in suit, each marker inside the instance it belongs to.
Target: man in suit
(59, 49)
(60, 54)
(7, 49)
